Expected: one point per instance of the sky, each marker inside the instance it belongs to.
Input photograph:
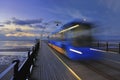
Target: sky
(28, 19)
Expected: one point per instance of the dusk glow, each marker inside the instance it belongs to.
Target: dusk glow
(29, 17)
(59, 39)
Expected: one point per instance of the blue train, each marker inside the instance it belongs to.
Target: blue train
(74, 40)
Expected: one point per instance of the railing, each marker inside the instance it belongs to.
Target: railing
(108, 46)
(3, 75)
(22, 72)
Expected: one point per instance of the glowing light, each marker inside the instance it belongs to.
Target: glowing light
(76, 51)
(69, 28)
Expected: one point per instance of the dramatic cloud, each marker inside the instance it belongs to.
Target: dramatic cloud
(1, 25)
(7, 22)
(21, 28)
(39, 26)
(21, 34)
(18, 30)
(23, 22)
(8, 29)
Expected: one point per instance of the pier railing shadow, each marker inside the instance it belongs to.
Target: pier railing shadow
(23, 72)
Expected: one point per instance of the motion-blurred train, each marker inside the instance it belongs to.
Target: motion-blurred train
(74, 40)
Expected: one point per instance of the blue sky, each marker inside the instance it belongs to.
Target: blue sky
(27, 18)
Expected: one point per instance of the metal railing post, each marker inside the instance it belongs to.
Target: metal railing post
(119, 47)
(107, 46)
(16, 69)
(28, 53)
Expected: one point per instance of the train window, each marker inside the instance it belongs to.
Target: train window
(80, 36)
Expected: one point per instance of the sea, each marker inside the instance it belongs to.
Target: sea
(13, 50)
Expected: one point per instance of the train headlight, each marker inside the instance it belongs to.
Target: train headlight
(76, 51)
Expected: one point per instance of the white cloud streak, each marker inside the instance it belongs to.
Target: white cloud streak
(22, 34)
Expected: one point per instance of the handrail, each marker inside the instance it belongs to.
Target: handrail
(23, 72)
(24, 61)
(8, 69)
(108, 46)
(25, 69)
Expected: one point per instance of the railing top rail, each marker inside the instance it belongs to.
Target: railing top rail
(24, 61)
(22, 64)
(7, 70)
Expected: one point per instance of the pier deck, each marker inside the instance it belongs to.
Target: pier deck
(49, 67)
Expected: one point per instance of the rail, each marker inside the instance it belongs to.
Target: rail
(107, 46)
(22, 72)
(7, 70)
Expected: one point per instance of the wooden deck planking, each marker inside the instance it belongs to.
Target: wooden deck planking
(48, 67)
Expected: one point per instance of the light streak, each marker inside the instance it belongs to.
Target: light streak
(73, 50)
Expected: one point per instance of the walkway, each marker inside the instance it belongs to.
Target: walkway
(49, 67)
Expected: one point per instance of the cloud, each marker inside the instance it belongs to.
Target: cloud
(39, 26)
(22, 22)
(1, 25)
(18, 30)
(25, 22)
(21, 34)
(24, 28)
(7, 22)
